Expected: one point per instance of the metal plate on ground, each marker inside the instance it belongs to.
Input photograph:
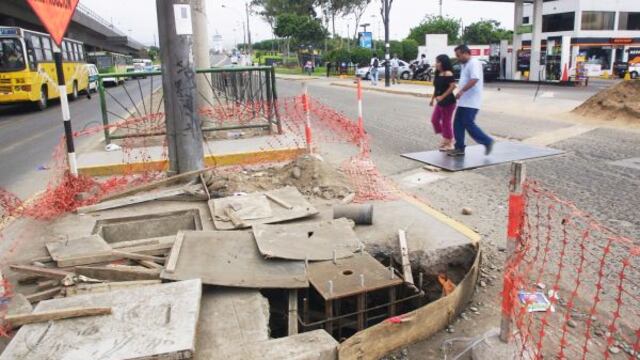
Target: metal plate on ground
(475, 158)
(231, 258)
(149, 322)
(289, 204)
(345, 275)
(75, 250)
(311, 241)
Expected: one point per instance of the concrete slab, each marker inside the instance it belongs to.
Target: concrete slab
(222, 152)
(286, 203)
(311, 241)
(157, 321)
(230, 319)
(80, 251)
(312, 345)
(231, 258)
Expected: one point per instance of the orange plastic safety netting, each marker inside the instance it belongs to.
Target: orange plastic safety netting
(572, 288)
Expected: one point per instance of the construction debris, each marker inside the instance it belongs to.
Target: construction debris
(17, 320)
(619, 102)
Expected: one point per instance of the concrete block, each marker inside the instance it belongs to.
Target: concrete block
(313, 345)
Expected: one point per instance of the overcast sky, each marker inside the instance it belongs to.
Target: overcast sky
(138, 17)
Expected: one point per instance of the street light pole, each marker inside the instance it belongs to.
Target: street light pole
(246, 5)
(386, 9)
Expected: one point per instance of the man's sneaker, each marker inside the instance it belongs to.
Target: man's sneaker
(456, 152)
(489, 148)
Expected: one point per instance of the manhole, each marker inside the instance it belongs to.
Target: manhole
(148, 226)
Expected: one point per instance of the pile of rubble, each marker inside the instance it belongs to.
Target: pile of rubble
(126, 297)
(619, 102)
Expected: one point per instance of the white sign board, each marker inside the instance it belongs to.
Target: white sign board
(182, 14)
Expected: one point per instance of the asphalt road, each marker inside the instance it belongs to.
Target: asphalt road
(585, 175)
(28, 137)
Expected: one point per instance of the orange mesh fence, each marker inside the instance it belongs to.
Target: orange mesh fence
(572, 287)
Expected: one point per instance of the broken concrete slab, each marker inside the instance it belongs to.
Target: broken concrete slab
(312, 241)
(286, 204)
(157, 321)
(81, 251)
(230, 319)
(312, 345)
(231, 258)
(19, 304)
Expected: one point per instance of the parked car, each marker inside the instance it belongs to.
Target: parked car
(404, 72)
(92, 73)
(491, 70)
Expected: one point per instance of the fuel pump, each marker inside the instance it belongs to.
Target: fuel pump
(553, 61)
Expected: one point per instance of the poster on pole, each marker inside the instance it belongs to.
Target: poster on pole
(365, 39)
(55, 15)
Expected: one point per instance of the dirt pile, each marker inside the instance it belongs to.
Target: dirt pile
(620, 102)
(310, 174)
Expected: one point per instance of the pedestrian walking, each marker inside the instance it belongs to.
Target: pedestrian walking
(395, 68)
(373, 71)
(444, 100)
(469, 101)
(308, 67)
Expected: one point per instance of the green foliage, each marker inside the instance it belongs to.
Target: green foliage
(153, 53)
(436, 25)
(485, 32)
(361, 56)
(409, 49)
(267, 45)
(395, 47)
(271, 9)
(303, 29)
(338, 55)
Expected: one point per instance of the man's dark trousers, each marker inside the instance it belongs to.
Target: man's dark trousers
(466, 120)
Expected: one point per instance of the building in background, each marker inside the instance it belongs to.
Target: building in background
(596, 33)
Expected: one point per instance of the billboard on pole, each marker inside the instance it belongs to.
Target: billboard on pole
(365, 39)
(55, 15)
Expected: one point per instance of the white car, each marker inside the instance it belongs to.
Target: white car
(92, 73)
(634, 70)
(404, 72)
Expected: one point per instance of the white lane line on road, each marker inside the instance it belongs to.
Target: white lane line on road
(555, 136)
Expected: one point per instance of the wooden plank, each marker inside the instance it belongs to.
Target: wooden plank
(159, 249)
(131, 200)
(81, 289)
(134, 243)
(175, 253)
(41, 259)
(385, 337)
(44, 316)
(293, 312)
(44, 295)
(134, 256)
(150, 264)
(235, 220)
(113, 273)
(278, 201)
(156, 184)
(404, 253)
(47, 284)
(40, 271)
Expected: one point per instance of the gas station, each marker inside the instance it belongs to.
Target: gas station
(562, 39)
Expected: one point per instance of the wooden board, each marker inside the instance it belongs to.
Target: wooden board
(139, 198)
(385, 337)
(44, 316)
(149, 322)
(232, 259)
(300, 208)
(118, 273)
(345, 275)
(404, 256)
(81, 251)
(311, 241)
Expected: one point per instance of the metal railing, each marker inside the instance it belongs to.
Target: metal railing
(231, 99)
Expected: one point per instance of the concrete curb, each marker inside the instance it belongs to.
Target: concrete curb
(245, 158)
(383, 90)
(416, 82)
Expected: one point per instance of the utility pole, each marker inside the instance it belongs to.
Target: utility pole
(184, 133)
(441, 8)
(386, 9)
(201, 52)
(246, 5)
(66, 113)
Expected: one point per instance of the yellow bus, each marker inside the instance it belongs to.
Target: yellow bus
(27, 70)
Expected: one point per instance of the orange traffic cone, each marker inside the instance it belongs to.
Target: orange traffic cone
(565, 73)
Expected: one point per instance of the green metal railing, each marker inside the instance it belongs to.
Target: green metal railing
(235, 98)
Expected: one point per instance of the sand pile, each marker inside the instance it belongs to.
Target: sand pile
(620, 102)
(310, 174)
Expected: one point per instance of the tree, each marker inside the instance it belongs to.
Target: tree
(436, 25)
(409, 49)
(485, 32)
(357, 8)
(303, 29)
(271, 9)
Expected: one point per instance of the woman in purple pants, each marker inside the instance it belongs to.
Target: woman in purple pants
(445, 102)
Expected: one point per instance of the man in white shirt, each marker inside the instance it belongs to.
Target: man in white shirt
(469, 102)
(395, 68)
